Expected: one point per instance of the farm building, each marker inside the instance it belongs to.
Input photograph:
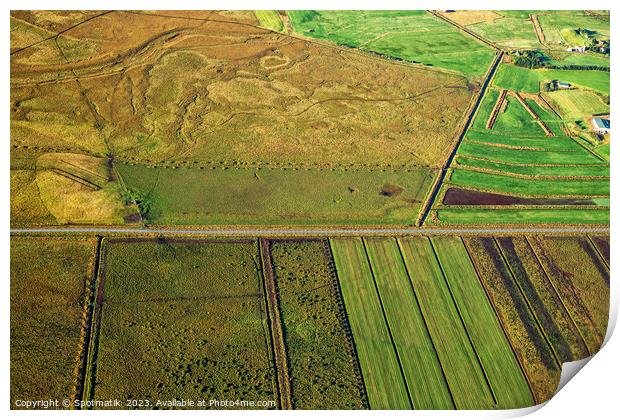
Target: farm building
(561, 85)
(576, 49)
(601, 125)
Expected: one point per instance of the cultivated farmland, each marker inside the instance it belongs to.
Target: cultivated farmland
(50, 292)
(414, 36)
(321, 355)
(183, 318)
(307, 209)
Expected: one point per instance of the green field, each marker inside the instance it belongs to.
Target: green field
(421, 367)
(516, 78)
(574, 104)
(459, 360)
(383, 378)
(509, 31)
(279, 196)
(521, 186)
(515, 119)
(483, 216)
(526, 80)
(414, 36)
(183, 318)
(269, 19)
(559, 143)
(484, 110)
(509, 386)
(578, 156)
(536, 171)
(50, 281)
(560, 27)
(320, 354)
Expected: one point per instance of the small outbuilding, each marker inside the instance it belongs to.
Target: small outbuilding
(601, 125)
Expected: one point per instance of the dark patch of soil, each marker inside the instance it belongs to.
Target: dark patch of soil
(463, 197)
(389, 190)
(132, 218)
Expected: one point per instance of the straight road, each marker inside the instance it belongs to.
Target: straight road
(303, 231)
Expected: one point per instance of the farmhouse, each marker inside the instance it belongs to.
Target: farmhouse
(601, 125)
(576, 49)
(561, 85)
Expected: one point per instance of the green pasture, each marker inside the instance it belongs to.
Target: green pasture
(383, 380)
(415, 36)
(526, 156)
(502, 368)
(520, 186)
(484, 216)
(236, 195)
(536, 170)
(459, 360)
(421, 367)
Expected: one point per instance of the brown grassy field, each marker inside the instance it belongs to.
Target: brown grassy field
(582, 281)
(206, 89)
(50, 279)
(221, 88)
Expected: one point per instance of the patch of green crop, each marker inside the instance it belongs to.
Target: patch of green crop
(521, 186)
(414, 36)
(280, 196)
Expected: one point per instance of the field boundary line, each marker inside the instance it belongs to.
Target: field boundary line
(428, 333)
(387, 325)
(499, 319)
(538, 29)
(87, 311)
(534, 115)
(464, 29)
(458, 311)
(527, 302)
(61, 32)
(498, 106)
(598, 251)
(277, 334)
(428, 204)
(88, 392)
(344, 319)
(555, 291)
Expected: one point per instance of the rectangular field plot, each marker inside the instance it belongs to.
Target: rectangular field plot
(601, 171)
(581, 280)
(50, 288)
(547, 307)
(421, 367)
(532, 349)
(183, 318)
(464, 373)
(321, 356)
(482, 216)
(510, 388)
(414, 35)
(280, 195)
(383, 377)
(522, 186)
